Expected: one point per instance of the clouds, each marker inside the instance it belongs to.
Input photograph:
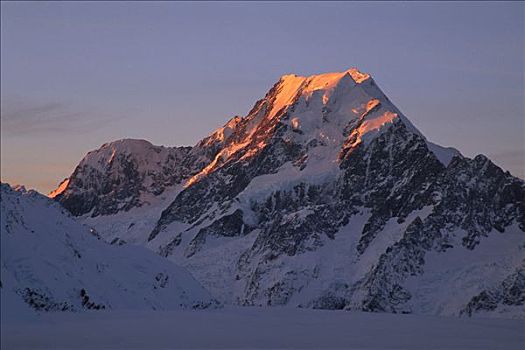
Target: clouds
(23, 118)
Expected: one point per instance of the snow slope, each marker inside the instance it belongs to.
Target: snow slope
(260, 328)
(53, 263)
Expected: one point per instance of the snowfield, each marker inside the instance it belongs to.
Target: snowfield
(258, 328)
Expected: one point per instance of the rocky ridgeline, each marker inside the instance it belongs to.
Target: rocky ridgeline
(325, 196)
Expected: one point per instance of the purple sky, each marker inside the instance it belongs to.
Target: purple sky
(76, 75)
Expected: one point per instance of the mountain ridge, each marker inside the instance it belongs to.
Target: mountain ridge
(319, 160)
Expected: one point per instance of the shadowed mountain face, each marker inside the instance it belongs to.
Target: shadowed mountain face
(51, 262)
(120, 175)
(323, 196)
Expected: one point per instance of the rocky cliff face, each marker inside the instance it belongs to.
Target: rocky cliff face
(326, 196)
(122, 175)
(505, 297)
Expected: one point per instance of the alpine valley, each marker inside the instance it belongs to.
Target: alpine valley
(323, 196)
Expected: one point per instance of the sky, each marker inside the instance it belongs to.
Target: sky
(75, 75)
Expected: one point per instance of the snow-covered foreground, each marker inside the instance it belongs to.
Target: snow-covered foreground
(258, 328)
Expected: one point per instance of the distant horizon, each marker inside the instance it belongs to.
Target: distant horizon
(78, 75)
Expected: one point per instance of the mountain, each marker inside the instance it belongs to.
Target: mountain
(326, 196)
(121, 175)
(51, 262)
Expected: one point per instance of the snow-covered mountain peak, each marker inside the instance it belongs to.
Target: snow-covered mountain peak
(127, 144)
(318, 107)
(324, 195)
(328, 79)
(358, 76)
(316, 120)
(324, 114)
(121, 175)
(139, 149)
(291, 86)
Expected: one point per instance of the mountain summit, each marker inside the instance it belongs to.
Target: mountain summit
(325, 196)
(319, 107)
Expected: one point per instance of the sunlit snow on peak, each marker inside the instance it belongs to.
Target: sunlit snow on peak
(60, 189)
